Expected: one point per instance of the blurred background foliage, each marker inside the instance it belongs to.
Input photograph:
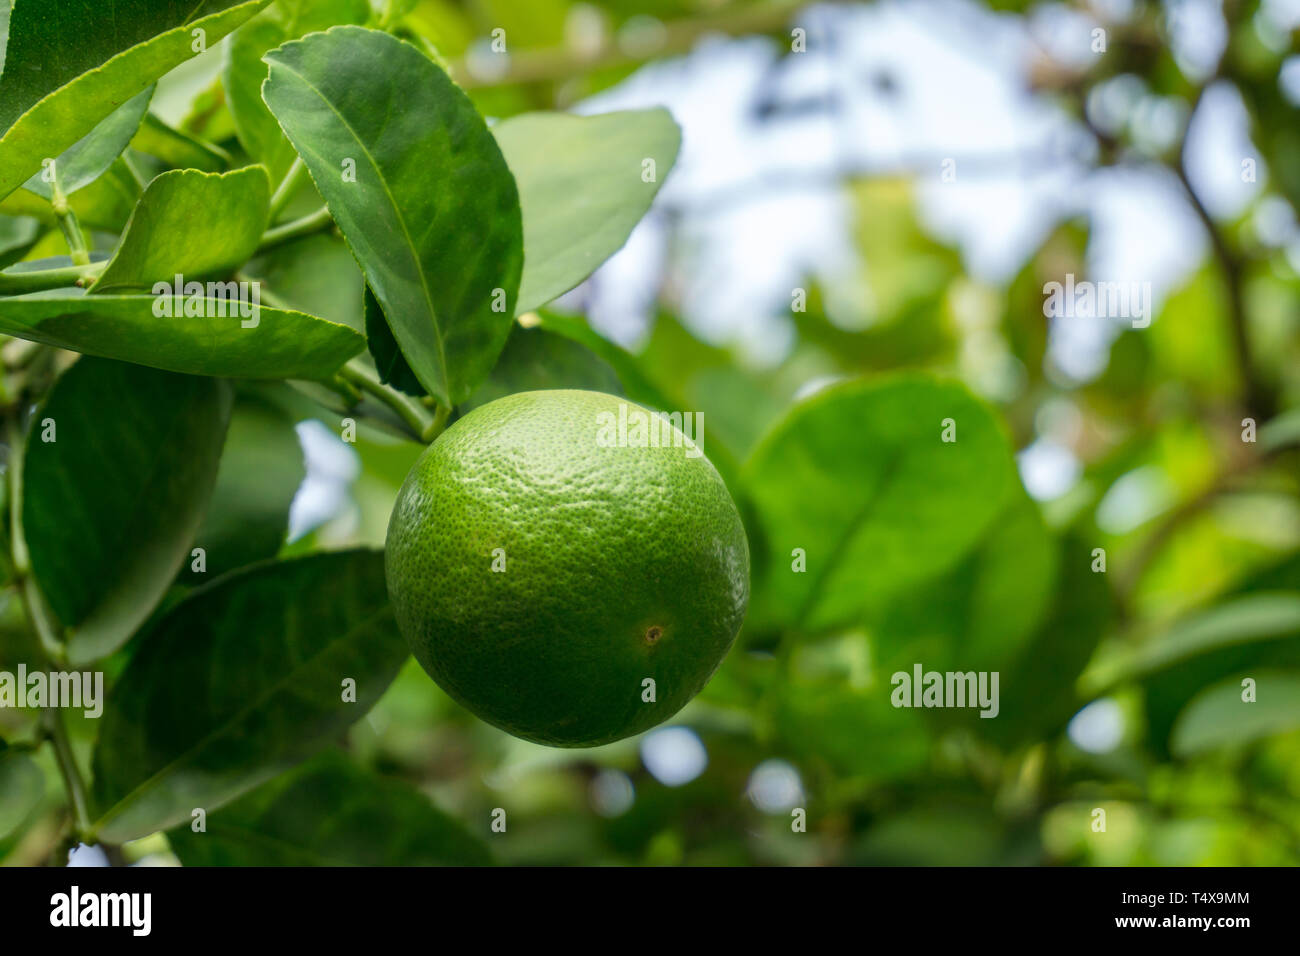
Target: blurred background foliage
(834, 217)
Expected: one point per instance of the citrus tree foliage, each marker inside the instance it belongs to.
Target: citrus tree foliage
(331, 234)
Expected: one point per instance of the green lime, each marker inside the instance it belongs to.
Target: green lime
(567, 566)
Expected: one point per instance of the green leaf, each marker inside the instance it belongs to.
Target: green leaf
(111, 504)
(244, 70)
(535, 359)
(1038, 690)
(582, 189)
(70, 65)
(22, 785)
(105, 203)
(1247, 619)
(389, 362)
(261, 469)
(282, 344)
(89, 157)
(241, 680)
(329, 812)
(176, 148)
(979, 615)
(433, 215)
(859, 478)
(190, 224)
(1219, 717)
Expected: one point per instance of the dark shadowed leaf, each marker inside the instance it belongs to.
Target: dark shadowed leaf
(69, 65)
(238, 682)
(419, 188)
(21, 787)
(190, 224)
(261, 469)
(329, 812)
(111, 505)
(584, 183)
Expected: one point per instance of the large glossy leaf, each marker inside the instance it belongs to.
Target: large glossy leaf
(196, 225)
(261, 469)
(244, 70)
(21, 787)
(86, 160)
(111, 504)
(979, 615)
(329, 812)
(282, 344)
(433, 214)
(238, 682)
(1220, 717)
(583, 184)
(858, 476)
(70, 64)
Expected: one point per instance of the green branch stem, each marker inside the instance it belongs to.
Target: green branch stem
(76, 784)
(410, 411)
(318, 221)
(70, 227)
(40, 280)
(288, 186)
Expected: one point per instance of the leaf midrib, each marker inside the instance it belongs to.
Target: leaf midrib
(133, 795)
(406, 232)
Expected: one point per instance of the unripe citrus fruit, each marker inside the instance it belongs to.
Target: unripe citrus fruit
(544, 567)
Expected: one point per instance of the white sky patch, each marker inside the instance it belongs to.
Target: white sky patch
(674, 755)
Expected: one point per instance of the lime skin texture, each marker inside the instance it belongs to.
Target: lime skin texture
(544, 574)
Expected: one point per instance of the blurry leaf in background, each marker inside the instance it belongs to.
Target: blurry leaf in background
(190, 224)
(1037, 688)
(860, 478)
(111, 504)
(904, 265)
(1191, 340)
(244, 70)
(86, 160)
(979, 615)
(582, 187)
(1219, 716)
(70, 65)
(448, 292)
(22, 785)
(240, 681)
(261, 469)
(17, 233)
(330, 812)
